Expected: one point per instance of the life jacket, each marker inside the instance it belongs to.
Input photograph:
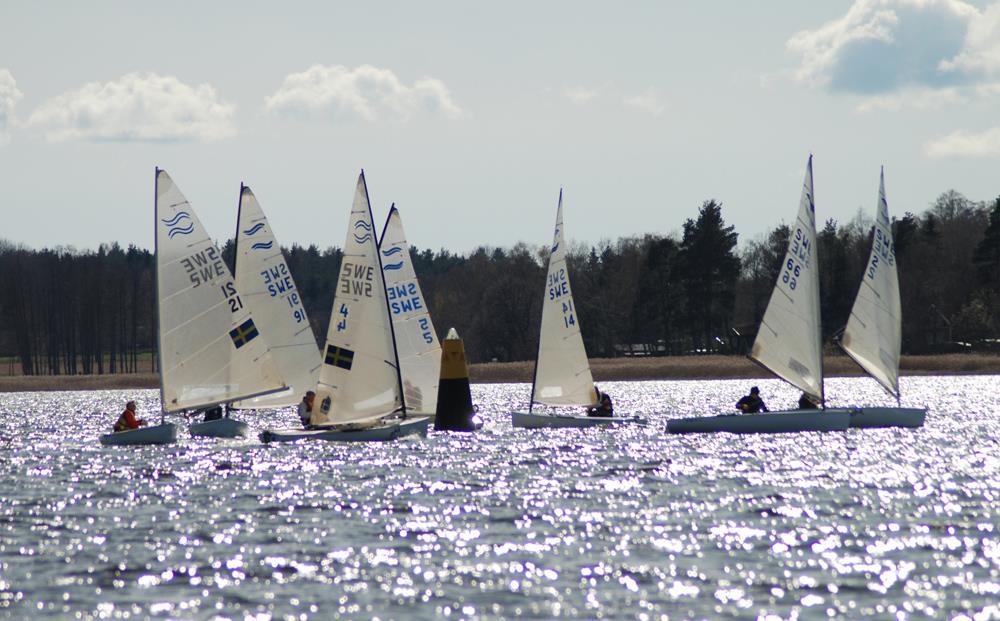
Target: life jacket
(122, 424)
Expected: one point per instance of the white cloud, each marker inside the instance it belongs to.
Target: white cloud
(982, 53)
(965, 144)
(883, 46)
(136, 107)
(919, 98)
(366, 93)
(9, 95)
(579, 94)
(647, 103)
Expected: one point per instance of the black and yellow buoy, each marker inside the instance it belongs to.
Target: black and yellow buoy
(454, 405)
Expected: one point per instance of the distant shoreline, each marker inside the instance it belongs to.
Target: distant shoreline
(604, 369)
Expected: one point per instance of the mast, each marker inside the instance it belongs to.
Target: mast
(385, 295)
(156, 275)
(819, 323)
(236, 255)
(236, 238)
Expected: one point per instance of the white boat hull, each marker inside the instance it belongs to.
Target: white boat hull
(220, 428)
(876, 417)
(766, 422)
(378, 433)
(531, 420)
(156, 434)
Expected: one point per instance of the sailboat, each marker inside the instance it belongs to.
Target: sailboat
(416, 341)
(265, 283)
(562, 372)
(359, 395)
(210, 350)
(873, 335)
(789, 341)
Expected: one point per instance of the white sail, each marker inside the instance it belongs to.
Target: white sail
(873, 335)
(789, 342)
(267, 288)
(210, 348)
(416, 341)
(358, 379)
(562, 372)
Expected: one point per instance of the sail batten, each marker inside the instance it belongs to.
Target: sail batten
(211, 351)
(873, 336)
(791, 347)
(266, 283)
(562, 371)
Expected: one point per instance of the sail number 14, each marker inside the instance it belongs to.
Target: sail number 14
(559, 289)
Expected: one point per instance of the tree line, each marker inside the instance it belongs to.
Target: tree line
(64, 311)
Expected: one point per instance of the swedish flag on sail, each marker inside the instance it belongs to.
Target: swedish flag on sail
(244, 333)
(339, 357)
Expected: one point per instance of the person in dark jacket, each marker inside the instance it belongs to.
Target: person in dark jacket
(752, 403)
(806, 403)
(604, 406)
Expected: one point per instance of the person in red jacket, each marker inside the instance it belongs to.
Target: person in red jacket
(128, 420)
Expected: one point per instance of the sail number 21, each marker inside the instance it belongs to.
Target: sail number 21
(235, 303)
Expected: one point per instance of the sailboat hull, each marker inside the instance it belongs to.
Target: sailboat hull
(879, 417)
(220, 428)
(378, 433)
(767, 422)
(531, 420)
(156, 434)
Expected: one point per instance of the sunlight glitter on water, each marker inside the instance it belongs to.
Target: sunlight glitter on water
(507, 522)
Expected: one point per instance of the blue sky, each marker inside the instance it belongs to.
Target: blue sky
(471, 116)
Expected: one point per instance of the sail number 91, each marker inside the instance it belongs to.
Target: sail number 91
(882, 248)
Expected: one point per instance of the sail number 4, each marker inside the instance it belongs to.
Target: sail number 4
(342, 324)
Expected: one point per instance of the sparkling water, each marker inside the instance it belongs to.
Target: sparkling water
(600, 523)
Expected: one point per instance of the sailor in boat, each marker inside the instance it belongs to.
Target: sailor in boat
(604, 406)
(127, 420)
(752, 403)
(806, 403)
(213, 413)
(306, 408)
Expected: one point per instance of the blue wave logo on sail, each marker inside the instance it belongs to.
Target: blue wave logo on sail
(391, 251)
(254, 229)
(392, 266)
(364, 237)
(180, 224)
(262, 245)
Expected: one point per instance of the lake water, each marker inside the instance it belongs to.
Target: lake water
(624, 523)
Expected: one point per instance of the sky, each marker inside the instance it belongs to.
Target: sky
(471, 116)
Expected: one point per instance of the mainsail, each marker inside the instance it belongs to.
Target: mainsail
(266, 286)
(788, 341)
(359, 377)
(210, 348)
(562, 372)
(873, 335)
(416, 341)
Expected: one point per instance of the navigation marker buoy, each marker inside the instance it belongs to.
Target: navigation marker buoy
(455, 411)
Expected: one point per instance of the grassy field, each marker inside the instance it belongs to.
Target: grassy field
(605, 369)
